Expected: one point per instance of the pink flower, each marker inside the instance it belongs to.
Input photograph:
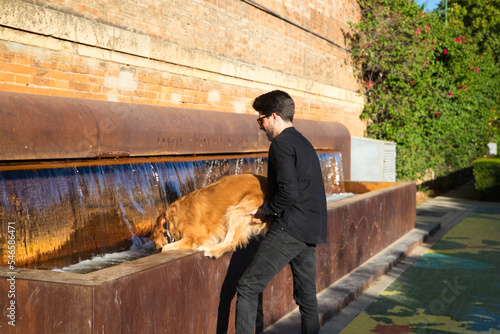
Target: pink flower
(450, 94)
(445, 51)
(417, 32)
(428, 27)
(426, 63)
(437, 113)
(462, 87)
(458, 40)
(369, 84)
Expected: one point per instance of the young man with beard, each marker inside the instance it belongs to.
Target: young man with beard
(298, 208)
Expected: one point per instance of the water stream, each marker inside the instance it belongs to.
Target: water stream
(97, 216)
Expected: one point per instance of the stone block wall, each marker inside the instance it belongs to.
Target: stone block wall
(202, 54)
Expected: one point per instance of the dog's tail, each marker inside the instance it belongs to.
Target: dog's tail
(239, 227)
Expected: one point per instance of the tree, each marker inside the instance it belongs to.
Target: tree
(480, 19)
(429, 87)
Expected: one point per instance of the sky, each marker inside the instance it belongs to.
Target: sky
(430, 4)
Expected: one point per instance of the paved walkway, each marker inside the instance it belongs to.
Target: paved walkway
(449, 283)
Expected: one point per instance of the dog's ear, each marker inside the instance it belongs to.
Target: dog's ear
(162, 221)
(170, 214)
(157, 235)
(172, 219)
(158, 227)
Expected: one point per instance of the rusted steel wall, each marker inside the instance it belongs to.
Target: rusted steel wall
(35, 127)
(185, 292)
(362, 226)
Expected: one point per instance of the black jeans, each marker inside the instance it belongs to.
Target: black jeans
(277, 250)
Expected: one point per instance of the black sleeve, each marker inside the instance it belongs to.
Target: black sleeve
(283, 162)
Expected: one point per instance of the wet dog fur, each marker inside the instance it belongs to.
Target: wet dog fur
(211, 218)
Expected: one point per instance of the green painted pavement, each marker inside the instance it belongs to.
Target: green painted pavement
(453, 288)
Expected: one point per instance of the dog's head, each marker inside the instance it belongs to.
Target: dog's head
(159, 234)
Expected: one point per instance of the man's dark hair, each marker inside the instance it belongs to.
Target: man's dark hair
(277, 102)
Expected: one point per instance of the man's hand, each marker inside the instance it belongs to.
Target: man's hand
(256, 216)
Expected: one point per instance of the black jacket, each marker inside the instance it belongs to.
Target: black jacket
(298, 200)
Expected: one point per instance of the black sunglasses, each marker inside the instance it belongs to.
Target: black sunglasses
(260, 119)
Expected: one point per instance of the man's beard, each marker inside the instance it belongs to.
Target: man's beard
(269, 136)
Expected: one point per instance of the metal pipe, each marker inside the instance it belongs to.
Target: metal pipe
(35, 127)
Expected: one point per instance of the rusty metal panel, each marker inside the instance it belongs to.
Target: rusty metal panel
(152, 131)
(185, 292)
(178, 297)
(34, 127)
(38, 127)
(47, 307)
(360, 227)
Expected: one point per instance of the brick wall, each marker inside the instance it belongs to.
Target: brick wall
(203, 54)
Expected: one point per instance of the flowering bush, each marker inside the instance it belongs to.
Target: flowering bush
(428, 87)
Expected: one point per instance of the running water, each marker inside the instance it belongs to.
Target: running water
(333, 173)
(67, 216)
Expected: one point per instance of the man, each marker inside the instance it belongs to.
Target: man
(298, 206)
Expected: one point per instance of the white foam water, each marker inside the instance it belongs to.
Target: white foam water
(337, 197)
(138, 250)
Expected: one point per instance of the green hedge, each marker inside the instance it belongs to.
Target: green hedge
(487, 175)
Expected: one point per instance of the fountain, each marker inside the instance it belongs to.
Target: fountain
(69, 215)
(84, 178)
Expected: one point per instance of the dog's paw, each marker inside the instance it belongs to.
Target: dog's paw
(168, 247)
(214, 254)
(206, 251)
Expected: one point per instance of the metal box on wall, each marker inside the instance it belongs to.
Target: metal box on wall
(373, 160)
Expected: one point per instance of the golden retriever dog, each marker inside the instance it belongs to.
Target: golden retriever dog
(211, 218)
